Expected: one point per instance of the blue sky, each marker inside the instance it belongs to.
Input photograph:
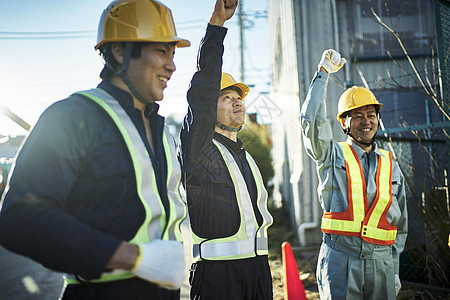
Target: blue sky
(48, 53)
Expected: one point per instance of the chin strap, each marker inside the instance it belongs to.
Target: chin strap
(225, 127)
(347, 132)
(122, 73)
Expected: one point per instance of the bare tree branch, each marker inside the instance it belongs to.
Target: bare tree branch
(377, 19)
(401, 68)
(427, 77)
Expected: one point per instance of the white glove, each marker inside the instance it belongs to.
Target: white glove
(398, 284)
(331, 61)
(161, 262)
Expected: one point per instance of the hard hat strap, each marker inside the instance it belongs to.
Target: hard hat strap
(123, 72)
(225, 127)
(347, 132)
(126, 59)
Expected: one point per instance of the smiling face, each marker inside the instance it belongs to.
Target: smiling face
(150, 72)
(363, 123)
(230, 109)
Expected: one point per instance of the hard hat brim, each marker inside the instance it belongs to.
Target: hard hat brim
(228, 81)
(180, 43)
(358, 106)
(243, 87)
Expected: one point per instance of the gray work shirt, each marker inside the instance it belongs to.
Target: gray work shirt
(332, 189)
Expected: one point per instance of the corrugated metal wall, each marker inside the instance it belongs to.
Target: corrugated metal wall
(300, 31)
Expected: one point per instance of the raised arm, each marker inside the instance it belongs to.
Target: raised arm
(223, 11)
(316, 130)
(198, 126)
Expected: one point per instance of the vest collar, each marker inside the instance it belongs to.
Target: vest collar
(230, 144)
(359, 151)
(126, 100)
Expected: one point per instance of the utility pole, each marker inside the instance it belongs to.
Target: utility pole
(241, 30)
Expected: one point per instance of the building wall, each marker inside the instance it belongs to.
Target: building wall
(294, 61)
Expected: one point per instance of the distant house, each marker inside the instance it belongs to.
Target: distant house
(10, 145)
(8, 150)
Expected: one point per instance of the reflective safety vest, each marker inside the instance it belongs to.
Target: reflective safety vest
(154, 225)
(251, 239)
(358, 219)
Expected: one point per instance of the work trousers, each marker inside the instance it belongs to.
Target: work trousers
(243, 279)
(342, 276)
(134, 288)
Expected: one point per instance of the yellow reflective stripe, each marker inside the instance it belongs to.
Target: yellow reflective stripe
(371, 230)
(123, 132)
(241, 244)
(341, 225)
(146, 185)
(262, 199)
(367, 226)
(357, 184)
(383, 190)
(355, 198)
(142, 234)
(248, 219)
(177, 207)
(169, 171)
(121, 276)
(378, 233)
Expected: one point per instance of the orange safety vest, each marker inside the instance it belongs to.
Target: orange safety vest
(358, 219)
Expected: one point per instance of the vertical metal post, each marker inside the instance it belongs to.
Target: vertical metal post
(441, 9)
(242, 44)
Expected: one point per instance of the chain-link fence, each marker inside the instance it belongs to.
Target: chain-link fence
(422, 156)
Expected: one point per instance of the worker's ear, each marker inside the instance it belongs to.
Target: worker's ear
(343, 123)
(117, 51)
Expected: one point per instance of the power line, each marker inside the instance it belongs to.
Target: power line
(46, 34)
(77, 33)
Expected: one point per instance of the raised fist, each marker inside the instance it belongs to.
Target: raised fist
(331, 61)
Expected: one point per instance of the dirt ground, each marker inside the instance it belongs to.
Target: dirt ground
(307, 274)
(307, 269)
(281, 231)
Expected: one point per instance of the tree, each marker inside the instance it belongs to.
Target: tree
(428, 189)
(260, 153)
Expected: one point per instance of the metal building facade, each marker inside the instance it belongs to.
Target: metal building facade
(300, 30)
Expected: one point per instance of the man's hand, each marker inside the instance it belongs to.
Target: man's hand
(124, 258)
(223, 11)
(331, 61)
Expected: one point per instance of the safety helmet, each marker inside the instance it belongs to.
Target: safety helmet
(228, 80)
(137, 21)
(356, 97)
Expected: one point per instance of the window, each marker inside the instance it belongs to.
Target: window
(412, 19)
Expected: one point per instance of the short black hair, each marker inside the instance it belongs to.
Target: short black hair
(377, 111)
(108, 57)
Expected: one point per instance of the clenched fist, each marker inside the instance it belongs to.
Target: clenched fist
(331, 61)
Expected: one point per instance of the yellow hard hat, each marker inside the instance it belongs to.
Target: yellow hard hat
(228, 80)
(137, 21)
(355, 97)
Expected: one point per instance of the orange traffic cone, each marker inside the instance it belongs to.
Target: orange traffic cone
(293, 286)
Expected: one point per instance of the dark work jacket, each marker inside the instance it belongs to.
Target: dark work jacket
(211, 197)
(72, 196)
